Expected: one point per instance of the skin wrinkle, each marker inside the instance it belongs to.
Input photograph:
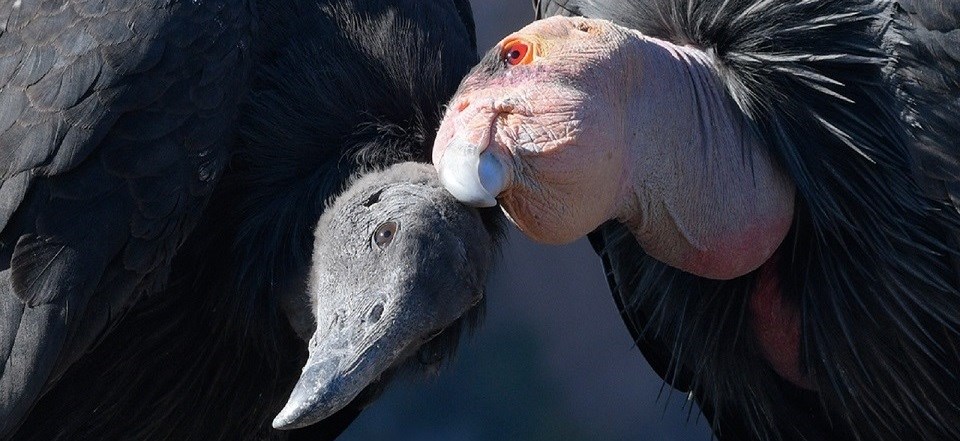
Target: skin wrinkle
(698, 139)
(566, 178)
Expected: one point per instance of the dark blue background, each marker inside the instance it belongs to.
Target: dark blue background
(552, 361)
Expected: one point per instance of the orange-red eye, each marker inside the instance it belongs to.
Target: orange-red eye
(517, 52)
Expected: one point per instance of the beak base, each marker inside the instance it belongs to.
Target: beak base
(473, 176)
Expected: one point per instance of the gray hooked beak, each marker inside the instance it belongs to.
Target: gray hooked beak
(340, 365)
(473, 175)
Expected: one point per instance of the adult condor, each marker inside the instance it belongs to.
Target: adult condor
(772, 187)
(165, 166)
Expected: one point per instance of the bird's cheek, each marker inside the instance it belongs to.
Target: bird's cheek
(563, 193)
(442, 141)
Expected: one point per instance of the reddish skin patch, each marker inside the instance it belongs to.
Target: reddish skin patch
(732, 254)
(777, 326)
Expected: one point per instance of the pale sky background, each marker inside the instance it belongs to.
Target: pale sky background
(552, 361)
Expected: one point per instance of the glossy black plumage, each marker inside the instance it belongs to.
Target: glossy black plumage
(127, 126)
(858, 101)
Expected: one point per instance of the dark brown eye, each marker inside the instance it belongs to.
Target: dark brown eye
(385, 233)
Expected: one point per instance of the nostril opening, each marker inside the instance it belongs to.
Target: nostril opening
(376, 313)
(338, 322)
(508, 105)
(586, 27)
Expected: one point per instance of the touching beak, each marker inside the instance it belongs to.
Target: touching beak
(470, 167)
(473, 175)
(342, 362)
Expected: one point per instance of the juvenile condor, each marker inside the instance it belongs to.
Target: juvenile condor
(165, 165)
(772, 187)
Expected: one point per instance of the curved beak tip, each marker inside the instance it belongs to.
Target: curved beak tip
(302, 412)
(286, 419)
(475, 180)
(315, 397)
(297, 413)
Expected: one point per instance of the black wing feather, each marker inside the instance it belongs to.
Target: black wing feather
(926, 43)
(466, 16)
(549, 8)
(36, 260)
(99, 186)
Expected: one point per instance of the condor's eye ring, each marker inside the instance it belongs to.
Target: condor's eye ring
(517, 51)
(385, 233)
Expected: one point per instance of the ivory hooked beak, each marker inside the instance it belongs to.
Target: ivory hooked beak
(472, 174)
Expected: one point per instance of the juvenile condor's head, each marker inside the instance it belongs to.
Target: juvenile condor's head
(398, 268)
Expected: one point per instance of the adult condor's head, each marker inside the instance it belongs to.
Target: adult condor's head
(571, 122)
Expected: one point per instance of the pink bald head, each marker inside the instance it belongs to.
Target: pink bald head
(599, 122)
(530, 120)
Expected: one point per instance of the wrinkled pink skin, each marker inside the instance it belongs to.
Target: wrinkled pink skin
(607, 123)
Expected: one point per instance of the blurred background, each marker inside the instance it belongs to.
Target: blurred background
(552, 361)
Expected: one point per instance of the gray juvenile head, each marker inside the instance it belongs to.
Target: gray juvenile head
(396, 261)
